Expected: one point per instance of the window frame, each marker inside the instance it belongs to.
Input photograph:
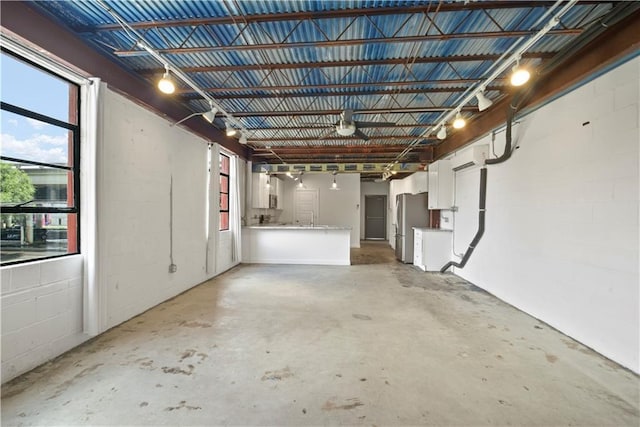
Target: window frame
(74, 168)
(228, 176)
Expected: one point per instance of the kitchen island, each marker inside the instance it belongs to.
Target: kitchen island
(296, 244)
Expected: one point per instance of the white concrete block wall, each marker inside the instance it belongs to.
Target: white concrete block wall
(139, 156)
(561, 240)
(41, 312)
(42, 301)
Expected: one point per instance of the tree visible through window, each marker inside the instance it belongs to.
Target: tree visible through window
(39, 159)
(224, 192)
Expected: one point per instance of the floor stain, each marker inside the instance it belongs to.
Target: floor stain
(362, 316)
(277, 375)
(178, 370)
(331, 405)
(186, 354)
(551, 358)
(68, 383)
(195, 324)
(181, 405)
(143, 404)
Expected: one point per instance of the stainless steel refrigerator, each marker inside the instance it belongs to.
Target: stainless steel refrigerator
(411, 211)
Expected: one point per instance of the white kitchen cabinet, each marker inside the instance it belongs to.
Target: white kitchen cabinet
(433, 250)
(440, 185)
(417, 183)
(259, 191)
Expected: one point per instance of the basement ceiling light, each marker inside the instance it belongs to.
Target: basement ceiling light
(442, 133)
(166, 84)
(483, 101)
(459, 122)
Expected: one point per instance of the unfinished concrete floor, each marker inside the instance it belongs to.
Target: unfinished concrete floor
(370, 344)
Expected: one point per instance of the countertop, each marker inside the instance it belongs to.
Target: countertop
(296, 227)
(431, 229)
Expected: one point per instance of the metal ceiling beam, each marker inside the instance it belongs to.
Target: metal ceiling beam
(335, 149)
(346, 42)
(332, 64)
(329, 126)
(451, 82)
(338, 112)
(326, 14)
(348, 93)
(617, 42)
(341, 139)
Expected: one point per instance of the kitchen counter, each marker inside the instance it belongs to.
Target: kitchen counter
(296, 227)
(432, 229)
(296, 244)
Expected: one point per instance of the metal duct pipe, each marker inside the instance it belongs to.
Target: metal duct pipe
(481, 218)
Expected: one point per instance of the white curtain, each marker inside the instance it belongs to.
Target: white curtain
(91, 114)
(235, 221)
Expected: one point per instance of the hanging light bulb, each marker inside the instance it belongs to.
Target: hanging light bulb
(520, 75)
(334, 185)
(300, 184)
(166, 84)
(442, 133)
(459, 122)
(483, 101)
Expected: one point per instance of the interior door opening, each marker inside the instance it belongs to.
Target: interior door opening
(375, 213)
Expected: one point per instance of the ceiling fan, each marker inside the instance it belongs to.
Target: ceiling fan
(346, 126)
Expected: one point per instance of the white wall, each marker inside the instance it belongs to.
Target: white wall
(373, 189)
(561, 239)
(41, 312)
(138, 152)
(341, 208)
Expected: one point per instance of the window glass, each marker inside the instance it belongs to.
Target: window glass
(41, 90)
(38, 172)
(30, 139)
(224, 192)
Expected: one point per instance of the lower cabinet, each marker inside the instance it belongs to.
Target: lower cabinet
(432, 248)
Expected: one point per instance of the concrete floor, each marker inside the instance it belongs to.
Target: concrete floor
(376, 343)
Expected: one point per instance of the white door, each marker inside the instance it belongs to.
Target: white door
(305, 207)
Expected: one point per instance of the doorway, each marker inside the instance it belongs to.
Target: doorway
(375, 214)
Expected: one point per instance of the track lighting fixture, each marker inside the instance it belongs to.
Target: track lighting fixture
(483, 101)
(166, 84)
(210, 115)
(230, 130)
(243, 139)
(459, 122)
(442, 133)
(520, 75)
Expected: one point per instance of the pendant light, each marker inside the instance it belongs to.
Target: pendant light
(334, 185)
(166, 84)
(268, 179)
(442, 133)
(459, 122)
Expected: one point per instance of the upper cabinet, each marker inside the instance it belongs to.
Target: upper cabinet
(260, 191)
(417, 183)
(440, 185)
(265, 196)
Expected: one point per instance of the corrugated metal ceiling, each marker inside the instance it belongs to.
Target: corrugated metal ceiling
(269, 63)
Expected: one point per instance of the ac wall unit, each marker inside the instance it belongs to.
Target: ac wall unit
(473, 156)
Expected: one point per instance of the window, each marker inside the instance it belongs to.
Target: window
(39, 159)
(224, 192)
